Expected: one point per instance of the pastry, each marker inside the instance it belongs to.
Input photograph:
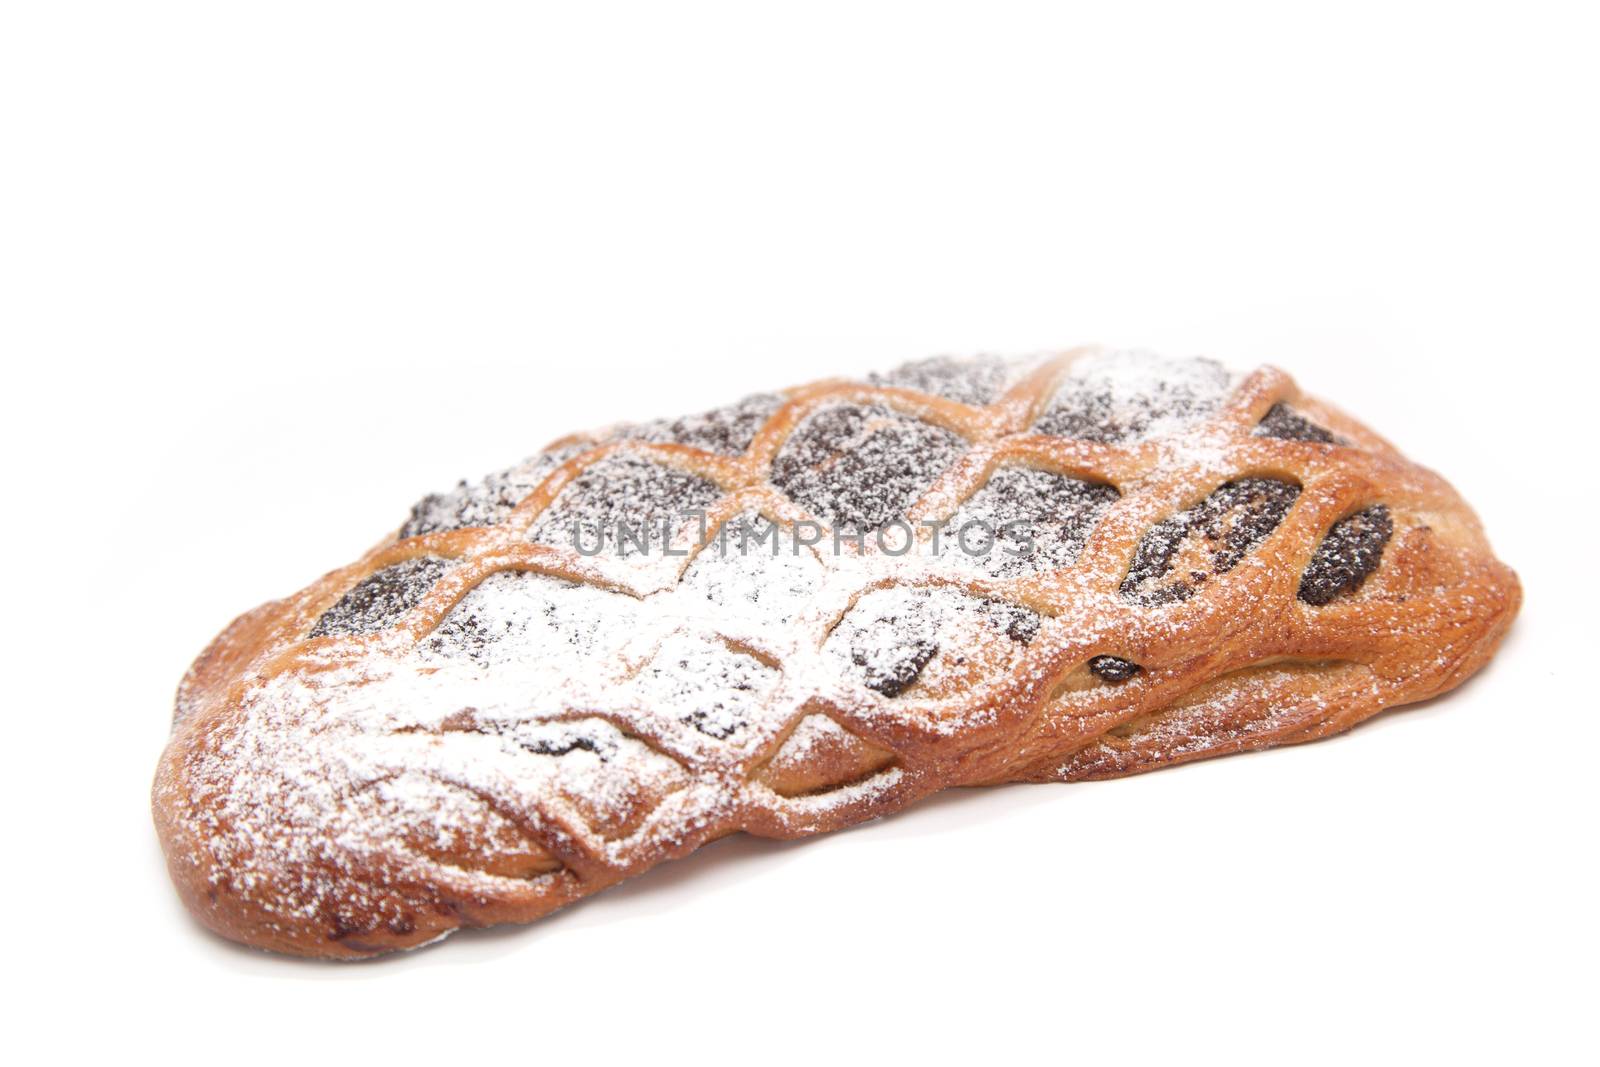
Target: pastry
(807, 609)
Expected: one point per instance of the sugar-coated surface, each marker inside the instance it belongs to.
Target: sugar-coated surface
(596, 711)
(859, 466)
(1118, 397)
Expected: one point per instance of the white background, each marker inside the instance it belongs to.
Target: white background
(271, 271)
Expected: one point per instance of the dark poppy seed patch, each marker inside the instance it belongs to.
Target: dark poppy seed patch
(488, 501)
(1113, 669)
(1286, 424)
(1212, 537)
(1116, 398)
(975, 381)
(1350, 551)
(725, 430)
(1039, 520)
(379, 600)
(859, 467)
(624, 506)
(891, 673)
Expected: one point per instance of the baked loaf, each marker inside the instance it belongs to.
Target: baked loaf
(804, 610)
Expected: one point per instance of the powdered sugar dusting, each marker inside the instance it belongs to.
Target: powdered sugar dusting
(703, 682)
(487, 501)
(755, 570)
(517, 616)
(546, 721)
(624, 506)
(812, 734)
(1121, 397)
(900, 637)
(726, 430)
(1023, 521)
(861, 466)
(971, 380)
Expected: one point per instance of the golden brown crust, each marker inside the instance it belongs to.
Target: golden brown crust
(1241, 663)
